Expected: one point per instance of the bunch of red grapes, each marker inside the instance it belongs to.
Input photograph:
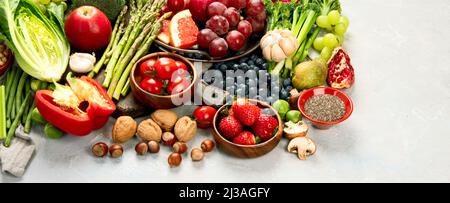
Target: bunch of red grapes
(228, 29)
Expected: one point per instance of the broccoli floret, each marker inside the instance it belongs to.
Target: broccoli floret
(111, 8)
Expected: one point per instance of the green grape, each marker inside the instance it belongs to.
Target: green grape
(318, 44)
(341, 39)
(345, 21)
(330, 41)
(45, 2)
(325, 54)
(322, 22)
(340, 29)
(333, 17)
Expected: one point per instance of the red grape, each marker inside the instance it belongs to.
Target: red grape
(254, 7)
(175, 5)
(235, 40)
(218, 24)
(216, 8)
(245, 28)
(258, 26)
(261, 17)
(238, 4)
(232, 15)
(205, 37)
(224, 2)
(218, 48)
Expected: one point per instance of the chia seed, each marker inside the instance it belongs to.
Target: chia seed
(325, 107)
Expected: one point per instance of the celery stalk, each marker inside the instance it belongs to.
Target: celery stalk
(2, 113)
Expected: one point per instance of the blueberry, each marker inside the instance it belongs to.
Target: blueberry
(230, 89)
(240, 92)
(252, 83)
(251, 62)
(253, 90)
(244, 67)
(257, 69)
(264, 66)
(275, 89)
(288, 88)
(284, 94)
(252, 67)
(223, 68)
(287, 82)
(254, 57)
(259, 62)
(229, 81)
(235, 67)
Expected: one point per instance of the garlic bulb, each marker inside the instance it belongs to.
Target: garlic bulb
(278, 45)
(82, 62)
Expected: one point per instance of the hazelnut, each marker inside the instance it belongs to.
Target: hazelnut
(174, 160)
(208, 145)
(197, 154)
(141, 148)
(179, 147)
(100, 149)
(124, 129)
(116, 150)
(148, 131)
(168, 139)
(153, 147)
(165, 119)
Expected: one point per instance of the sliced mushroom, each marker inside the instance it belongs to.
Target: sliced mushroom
(294, 130)
(303, 146)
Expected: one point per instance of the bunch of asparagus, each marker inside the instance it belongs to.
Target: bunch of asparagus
(134, 32)
(18, 103)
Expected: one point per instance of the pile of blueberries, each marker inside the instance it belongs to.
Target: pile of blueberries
(259, 84)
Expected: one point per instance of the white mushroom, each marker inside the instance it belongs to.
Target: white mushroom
(294, 130)
(303, 146)
(82, 62)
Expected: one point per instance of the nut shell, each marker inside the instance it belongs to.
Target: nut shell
(100, 149)
(149, 130)
(185, 129)
(174, 159)
(165, 119)
(197, 154)
(124, 129)
(208, 145)
(153, 147)
(116, 151)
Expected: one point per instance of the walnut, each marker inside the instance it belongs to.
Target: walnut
(185, 129)
(165, 119)
(124, 129)
(149, 130)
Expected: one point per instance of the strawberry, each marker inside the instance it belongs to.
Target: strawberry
(246, 112)
(265, 126)
(230, 127)
(245, 138)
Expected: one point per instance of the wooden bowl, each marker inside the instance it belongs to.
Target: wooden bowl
(247, 151)
(161, 101)
(8, 62)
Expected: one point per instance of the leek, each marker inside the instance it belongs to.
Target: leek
(38, 42)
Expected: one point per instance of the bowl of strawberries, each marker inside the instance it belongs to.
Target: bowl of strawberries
(163, 80)
(247, 128)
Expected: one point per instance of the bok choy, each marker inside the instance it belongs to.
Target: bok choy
(37, 40)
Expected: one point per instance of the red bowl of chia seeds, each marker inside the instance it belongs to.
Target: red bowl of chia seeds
(325, 106)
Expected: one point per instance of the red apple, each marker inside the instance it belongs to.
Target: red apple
(88, 29)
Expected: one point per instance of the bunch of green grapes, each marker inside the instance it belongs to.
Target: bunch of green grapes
(42, 4)
(337, 26)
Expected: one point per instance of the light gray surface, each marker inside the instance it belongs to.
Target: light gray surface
(399, 131)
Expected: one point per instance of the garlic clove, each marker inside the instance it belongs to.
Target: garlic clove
(267, 52)
(287, 46)
(82, 62)
(277, 53)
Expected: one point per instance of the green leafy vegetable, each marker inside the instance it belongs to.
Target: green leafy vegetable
(39, 43)
(111, 8)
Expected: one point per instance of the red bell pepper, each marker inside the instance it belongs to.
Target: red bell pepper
(78, 117)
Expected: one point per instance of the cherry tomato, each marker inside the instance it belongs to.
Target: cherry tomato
(204, 116)
(165, 67)
(147, 68)
(181, 65)
(177, 88)
(152, 85)
(179, 75)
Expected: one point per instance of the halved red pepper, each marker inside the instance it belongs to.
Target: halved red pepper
(90, 114)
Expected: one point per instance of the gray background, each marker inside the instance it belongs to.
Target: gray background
(399, 131)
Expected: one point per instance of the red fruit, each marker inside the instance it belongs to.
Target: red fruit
(257, 26)
(179, 75)
(245, 138)
(232, 15)
(238, 4)
(254, 7)
(165, 67)
(235, 40)
(198, 9)
(230, 127)
(216, 8)
(205, 37)
(147, 68)
(164, 36)
(218, 24)
(261, 17)
(245, 28)
(177, 88)
(152, 85)
(218, 48)
(204, 116)
(224, 2)
(340, 70)
(183, 30)
(175, 5)
(88, 29)
(181, 65)
(265, 126)
(246, 112)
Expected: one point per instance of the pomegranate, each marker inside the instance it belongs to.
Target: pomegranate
(340, 70)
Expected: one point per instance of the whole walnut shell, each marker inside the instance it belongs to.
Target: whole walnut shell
(148, 130)
(165, 119)
(185, 129)
(124, 129)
